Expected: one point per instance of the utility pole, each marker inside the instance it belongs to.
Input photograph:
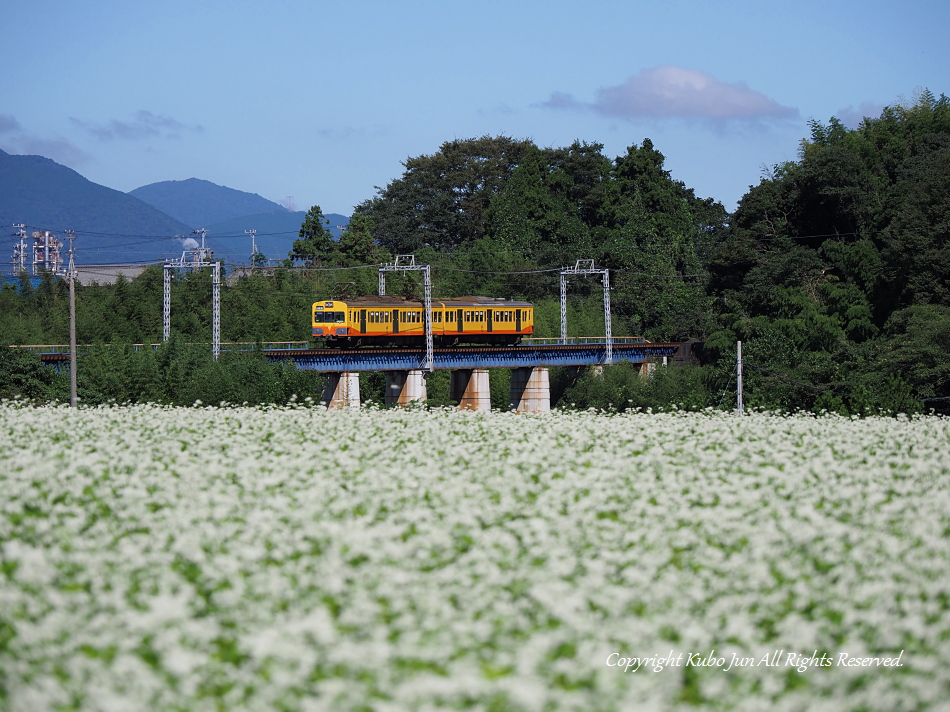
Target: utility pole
(252, 233)
(72, 322)
(202, 254)
(739, 376)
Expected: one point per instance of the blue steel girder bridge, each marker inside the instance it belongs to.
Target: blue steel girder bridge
(531, 353)
(405, 367)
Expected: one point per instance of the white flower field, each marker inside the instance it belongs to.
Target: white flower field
(293, 558)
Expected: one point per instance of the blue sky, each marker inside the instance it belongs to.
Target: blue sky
(323, 101)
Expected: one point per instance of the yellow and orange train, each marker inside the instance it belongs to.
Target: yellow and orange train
(390, 321)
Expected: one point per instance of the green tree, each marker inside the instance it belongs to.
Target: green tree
(442, 200)
(357, 244)
(316, 241)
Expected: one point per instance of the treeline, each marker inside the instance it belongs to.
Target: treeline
(833, 271)
(174, 373)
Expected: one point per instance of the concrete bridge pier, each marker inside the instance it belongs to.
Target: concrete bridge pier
(530, 390)
(342, 390)
(405, 387)
(470, 388)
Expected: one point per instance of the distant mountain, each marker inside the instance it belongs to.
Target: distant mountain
(114, 227)
(276, 232)
(201, 203)
(111, 226)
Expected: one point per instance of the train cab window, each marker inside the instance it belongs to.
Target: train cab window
(329, 317)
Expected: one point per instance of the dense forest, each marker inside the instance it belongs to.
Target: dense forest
(834, 272)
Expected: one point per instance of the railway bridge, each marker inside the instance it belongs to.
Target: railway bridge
(530, 361)
(405, 368)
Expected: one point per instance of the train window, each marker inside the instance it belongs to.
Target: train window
(437, 317)
(468, 315)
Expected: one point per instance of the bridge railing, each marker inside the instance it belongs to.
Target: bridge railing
(583, 340)
(53, 349)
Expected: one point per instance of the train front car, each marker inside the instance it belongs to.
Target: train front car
(331, 322)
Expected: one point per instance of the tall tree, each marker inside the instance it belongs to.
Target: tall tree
(442, 199)
(316, 241)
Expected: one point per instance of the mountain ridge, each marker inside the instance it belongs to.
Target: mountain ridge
(200, 203)
(44, 195)
(116, 227)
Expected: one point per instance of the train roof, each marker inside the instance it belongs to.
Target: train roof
(474, 301)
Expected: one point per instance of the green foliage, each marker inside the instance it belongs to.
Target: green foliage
(442, 200)
(626, 386)
(833, 272)
(316, 241)
(23, 375)
(177, 373)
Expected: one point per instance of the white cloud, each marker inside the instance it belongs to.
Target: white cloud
(144, 125)
(8, 123)
(678, 92)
